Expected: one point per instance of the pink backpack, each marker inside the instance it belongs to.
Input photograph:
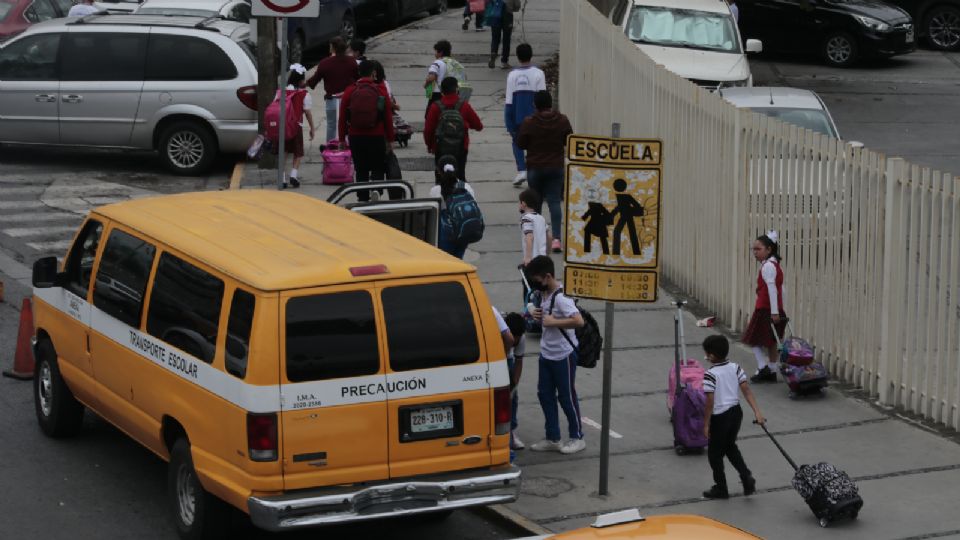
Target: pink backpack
(691, 374)
(337, 163)
(293, 112)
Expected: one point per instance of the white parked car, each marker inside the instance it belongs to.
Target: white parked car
(232, 10)
(696, 39)
(792, 105)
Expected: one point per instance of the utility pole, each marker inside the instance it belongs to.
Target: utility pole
(267, 75)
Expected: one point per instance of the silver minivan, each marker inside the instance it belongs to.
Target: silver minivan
(183, 86)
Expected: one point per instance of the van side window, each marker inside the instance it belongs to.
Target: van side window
(331, 336)
(185, 307)
(33, 58)
(238, 332)
(122, 277)
(208, 62)
(429, 326)
(103, 56)
(79, 265)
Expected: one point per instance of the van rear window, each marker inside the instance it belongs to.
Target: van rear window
(429, 326)
(330, 336)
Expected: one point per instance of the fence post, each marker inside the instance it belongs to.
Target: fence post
(889, 343)
(735, 275)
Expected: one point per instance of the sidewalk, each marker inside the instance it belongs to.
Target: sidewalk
(908, 475)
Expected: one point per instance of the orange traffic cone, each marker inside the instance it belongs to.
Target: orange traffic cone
(23, 363)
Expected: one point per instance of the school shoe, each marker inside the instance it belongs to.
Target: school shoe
(493, 61)
(505, 65)
(555, 246)
(764, 375)
(573, 446)
(516, 443)
(481, 29)
(520, 179)
(546, 445)
(466, 23)
(294, 183)
(716, 492)
(749, 486)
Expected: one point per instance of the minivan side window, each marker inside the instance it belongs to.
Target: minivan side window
(185, 307)
(239, 326)
(330, 336)
(122, 277)
(39, 11)
(79, 267)
(103, 56)
(208, 62)
(429, 326)
(33, 58)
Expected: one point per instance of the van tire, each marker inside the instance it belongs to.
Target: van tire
(187, 147)
(196, 514)
(58, 412)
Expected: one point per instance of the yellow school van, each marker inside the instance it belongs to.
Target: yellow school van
(298, 361)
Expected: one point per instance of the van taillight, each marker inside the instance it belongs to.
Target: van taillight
(248, 96)
(262, 436)
(501, 410)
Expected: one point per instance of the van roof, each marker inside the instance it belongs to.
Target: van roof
(103, 20)
(274, 240)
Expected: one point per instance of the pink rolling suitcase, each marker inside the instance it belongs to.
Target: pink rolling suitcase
(690, 371)
(685, 397)
(337, 163)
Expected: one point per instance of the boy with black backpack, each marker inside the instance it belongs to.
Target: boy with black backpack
(366, 123)
(449, 120)
(559, 315)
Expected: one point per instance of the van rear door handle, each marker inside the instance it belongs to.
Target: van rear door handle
(72, 98)
(45, 98)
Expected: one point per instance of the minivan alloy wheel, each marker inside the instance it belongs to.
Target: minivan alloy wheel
(185, 149)
(348, 28)
(943, 28)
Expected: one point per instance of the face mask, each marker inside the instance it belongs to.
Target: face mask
(538, 286)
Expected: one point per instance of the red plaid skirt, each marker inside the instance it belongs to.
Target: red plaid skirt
(759, 333)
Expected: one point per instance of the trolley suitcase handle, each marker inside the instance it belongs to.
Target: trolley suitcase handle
(776, 335)
(782, 451)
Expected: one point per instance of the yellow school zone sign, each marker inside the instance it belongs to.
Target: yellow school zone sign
(613, 218)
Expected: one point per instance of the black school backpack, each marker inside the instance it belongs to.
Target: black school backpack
(451, 130)
(589, 340)
(466, 220)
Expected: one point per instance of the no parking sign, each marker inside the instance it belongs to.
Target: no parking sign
(286, 8)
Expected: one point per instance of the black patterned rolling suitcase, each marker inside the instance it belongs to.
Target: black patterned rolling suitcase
(828, 491)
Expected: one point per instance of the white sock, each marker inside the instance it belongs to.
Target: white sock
(762, 359)
(294, 174)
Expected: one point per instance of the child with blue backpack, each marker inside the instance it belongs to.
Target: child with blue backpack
(448, 187)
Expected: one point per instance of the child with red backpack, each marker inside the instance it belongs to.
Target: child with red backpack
(366, 123)
(298, 104)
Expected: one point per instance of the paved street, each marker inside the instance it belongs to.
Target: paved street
(102, 485)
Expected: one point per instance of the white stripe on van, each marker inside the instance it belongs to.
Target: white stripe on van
(272, 398)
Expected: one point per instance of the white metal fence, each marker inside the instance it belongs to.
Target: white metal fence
(871, 245)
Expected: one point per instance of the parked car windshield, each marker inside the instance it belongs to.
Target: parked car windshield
(6, 7)
(682, 28)
(177, 12)
(811, 119)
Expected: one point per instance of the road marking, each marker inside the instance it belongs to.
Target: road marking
(594, 424)
(31, 216)
(47, 247)
(20, 205)
(23, 190)
(38, 231)
(237, 177)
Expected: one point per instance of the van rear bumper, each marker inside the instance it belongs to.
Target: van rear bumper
(422, 494)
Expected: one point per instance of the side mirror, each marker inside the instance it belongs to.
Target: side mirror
(45, 273)
(855, 144)
(754, 46)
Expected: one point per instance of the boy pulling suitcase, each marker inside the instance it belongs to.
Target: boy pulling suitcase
(723, 383)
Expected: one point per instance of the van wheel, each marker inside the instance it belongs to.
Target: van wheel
(840, 49)
(942, 26)
(441, 7)
(348, 28)
(58, 412)
(295, 52)
(187, 148)
(196, 513)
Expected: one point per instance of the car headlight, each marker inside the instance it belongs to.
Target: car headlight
(871, 23)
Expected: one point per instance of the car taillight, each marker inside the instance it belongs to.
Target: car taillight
(248, 96)
(501, 410)
(262, 436)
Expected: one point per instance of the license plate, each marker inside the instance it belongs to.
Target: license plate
(909, 36)
(431, 419)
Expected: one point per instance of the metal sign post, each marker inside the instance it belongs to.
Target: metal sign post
(612, 182)
(282, 92)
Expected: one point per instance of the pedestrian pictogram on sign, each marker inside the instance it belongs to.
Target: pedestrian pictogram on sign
(286, 8)
(613, 218)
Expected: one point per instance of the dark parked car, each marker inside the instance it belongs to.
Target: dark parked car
(840, 31)
(337, 18)
(389, 13)
(17, 15)
(937, 21)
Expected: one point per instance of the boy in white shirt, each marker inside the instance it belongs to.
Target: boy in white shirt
(558, 358)
(723, 415)
(534, 235)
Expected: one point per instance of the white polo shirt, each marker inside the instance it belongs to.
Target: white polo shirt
(553, 346)
(723, 381)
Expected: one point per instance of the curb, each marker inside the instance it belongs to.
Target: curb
(504, 516)
(375, 40)
(237, 177)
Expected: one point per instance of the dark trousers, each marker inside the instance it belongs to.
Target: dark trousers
(724, 428)
(369, 159)
(548, 183)
(501, 30)
(461, 166)
(467, 14)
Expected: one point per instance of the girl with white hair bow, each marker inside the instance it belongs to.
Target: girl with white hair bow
(768, 310)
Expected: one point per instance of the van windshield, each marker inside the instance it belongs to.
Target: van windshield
(686, 28)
